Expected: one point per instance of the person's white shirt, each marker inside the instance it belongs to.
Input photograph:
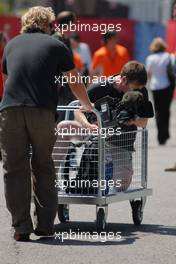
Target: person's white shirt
(85, 53)
(156, 65)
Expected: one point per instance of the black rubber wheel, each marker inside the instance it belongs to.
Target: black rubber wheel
(101, 221)
(137, 212)
(63, 213)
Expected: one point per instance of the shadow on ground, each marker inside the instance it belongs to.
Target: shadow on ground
(128, 232)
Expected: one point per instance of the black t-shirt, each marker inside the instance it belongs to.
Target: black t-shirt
(31, 61)
(98, 91)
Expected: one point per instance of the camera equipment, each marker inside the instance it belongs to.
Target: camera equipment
(117, 112)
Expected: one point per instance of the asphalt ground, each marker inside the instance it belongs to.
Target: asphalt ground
(153, 242)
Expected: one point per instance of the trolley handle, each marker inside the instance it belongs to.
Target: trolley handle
(76, 105)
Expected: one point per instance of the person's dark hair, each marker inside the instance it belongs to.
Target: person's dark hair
(108, 35)
(135, 72)
(65, 17)
(75, 36)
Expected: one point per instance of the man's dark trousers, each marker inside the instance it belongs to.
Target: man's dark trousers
(21, 127)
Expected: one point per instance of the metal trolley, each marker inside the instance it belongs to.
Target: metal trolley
(129, 169)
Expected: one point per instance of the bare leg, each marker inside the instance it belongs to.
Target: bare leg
(67, 132)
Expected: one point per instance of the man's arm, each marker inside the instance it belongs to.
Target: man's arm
(78, 89)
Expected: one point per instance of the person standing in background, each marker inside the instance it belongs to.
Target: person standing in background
(64, 20)
(109, 59)
(82, 48)
(157, 67)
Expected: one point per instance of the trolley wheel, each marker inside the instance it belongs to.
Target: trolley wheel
(101, 220)
(63, 213)
(137, 212)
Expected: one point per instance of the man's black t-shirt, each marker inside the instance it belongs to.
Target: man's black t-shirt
(98, 91)
(31, 61)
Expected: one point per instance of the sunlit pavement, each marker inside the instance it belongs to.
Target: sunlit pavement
(154, 242)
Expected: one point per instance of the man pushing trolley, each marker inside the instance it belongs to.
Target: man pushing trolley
(28, 117)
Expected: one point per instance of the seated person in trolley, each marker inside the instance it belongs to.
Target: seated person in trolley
(133, 76)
